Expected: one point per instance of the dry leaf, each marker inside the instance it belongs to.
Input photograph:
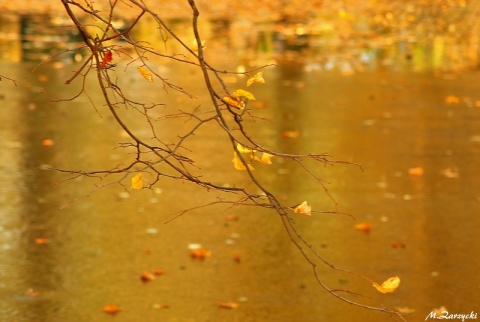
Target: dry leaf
(243, 149)
(111, 309)
(47, 142)
(388, 286)
(244, 93)
(137, 182)
(234, 102)
(238, 165)
(404, 309)
(291, 134)
(32, 293)
(450, 173)
(200, 253)
(159, 271)
(41, 241)
(451, 99)
(303, 209)
(265, 158)
(256, 79)
(147, 277)
(106, 59)
(416, 172)
(363, 226)
(228, 305)
(146, 73)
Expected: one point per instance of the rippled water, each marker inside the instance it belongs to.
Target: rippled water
(66, 263)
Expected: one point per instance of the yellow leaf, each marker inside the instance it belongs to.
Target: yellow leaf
(389, 285)
(243, 149)
(265, 158)
(137, 182)
(232, 101)
(237, 163)
(304, 208)
(256, 79)
(145, 73)
(244, 93)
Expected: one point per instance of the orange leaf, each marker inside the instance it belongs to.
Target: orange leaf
(111, 309)
(291, 134)
(451, 99)
(41, 241)
(416, 172)
(228, 305)
(106, 59)
(47, 142)
(200, 253)
(147, 277)
(159, 271)
(363, 226)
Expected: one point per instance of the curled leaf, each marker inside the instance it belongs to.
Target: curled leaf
(137, 182)
(304, 208)
(265, 158)
(147, 74)
(388, 286)
(228, 305)
(200, 253)
(256, 79)
(243, 149)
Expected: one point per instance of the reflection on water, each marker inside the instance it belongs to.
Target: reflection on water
(66, 264)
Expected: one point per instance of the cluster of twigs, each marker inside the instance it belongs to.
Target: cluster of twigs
(162, 159)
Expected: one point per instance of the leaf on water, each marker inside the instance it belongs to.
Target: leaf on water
(200, 253)
(238, 165)
(137, 182)
(107, 58)
(450, 173)
(41, 241)
(147, 277)
(451, 99)
(147, 74)
(48, 142)
(228, 305)
(158, 271)
(304, 208)
(111, 309)
(388, 286)
(404, 309)
(291, 134)
(416, 172)
(363, 226)
(256, 79)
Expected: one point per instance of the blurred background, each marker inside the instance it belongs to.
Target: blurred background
(390, 85)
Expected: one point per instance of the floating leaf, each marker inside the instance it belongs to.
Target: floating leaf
(238, 165)
(416, 172)
(256, 79)
(291, 134)
(48, 142)
(244, 93)
(137, 182)
(158, 271)
(404, 309)
(228, 305)
(41, 241)
(200, 253)
(450, 172)
(304, 208)
(147, 74)
(111, 309)
(389, 285)
(451, 99)
(106, 59)
(147, 277)
(363, 226)
(32, 293)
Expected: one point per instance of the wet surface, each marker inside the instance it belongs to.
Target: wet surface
(66, 263)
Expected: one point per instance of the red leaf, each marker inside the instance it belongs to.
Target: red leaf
(107, 58)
